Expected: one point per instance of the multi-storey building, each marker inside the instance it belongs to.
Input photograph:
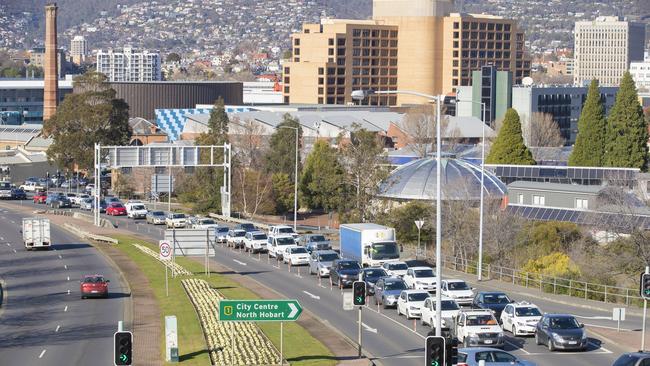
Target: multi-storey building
(416, 45)
(490, 88)
(604, 49)
(332, 58)
(37, 58)
(78, 49)
(640, 72)
(129, 65)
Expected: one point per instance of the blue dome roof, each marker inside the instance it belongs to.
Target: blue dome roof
(461, 180)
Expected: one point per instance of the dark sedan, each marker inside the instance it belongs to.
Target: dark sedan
(370, 276)
(344, 272)
(561, 332)
(495, 301)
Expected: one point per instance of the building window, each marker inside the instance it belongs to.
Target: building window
(296, 42)
(296, 51)
(582, 204)
(456, 25)
(189, 169)
(330, 41)
(520, 199)
(286, 70)
(286, 89)
(127, 170)
(321, 71)
(160, 170)
(539, 200)
(321, 81)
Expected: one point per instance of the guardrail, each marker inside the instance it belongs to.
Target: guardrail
(238, 221)
(85, 234)
(548, 284)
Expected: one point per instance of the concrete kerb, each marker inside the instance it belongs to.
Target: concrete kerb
(84, 234)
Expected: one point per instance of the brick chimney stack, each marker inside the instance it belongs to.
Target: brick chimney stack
(51, 90)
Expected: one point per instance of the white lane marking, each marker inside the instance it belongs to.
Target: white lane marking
(368, 329)
(594, 317)
(518, 348)
(606, 327)
(8, 244)
(57, 329)
(42, 353)
(60, 256)
(1, 238)
(68, 292)
(239, 262)
(66, 308)
(15, 251)
(65, 266)
(312, 295)
(68, 278)
(395, 321)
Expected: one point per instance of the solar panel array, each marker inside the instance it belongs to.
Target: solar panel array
(563, 174)
(601, 220)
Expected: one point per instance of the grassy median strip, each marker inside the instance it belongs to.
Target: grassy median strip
(300, 347)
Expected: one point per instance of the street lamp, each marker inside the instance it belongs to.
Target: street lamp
(419, 224)
(295, 183)
(360, 95)
(480, 228)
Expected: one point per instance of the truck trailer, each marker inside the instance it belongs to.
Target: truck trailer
(36, 233)
(369, 244)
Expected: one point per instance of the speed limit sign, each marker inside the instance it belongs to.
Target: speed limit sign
(165, 250)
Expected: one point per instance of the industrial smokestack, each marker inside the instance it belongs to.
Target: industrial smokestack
(51, 90)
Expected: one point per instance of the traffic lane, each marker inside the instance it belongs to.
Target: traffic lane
(391, 343)
(44, 323)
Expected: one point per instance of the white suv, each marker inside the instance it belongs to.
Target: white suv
(136, 210)
(520, 318)
(281, 230)
(457, 290)
(175, 220)
(420, 278)
(449, 310)
(295, 255)
(255, 241)
(275, 245)
(478, 328)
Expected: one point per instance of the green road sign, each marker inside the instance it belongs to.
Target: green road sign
(259, 310)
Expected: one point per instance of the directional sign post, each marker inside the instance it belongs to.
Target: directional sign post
(261, 311)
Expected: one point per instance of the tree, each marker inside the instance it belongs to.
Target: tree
(91, 116)
(403, 218)
(173, 57)
(364, 162)
(555, 265)
(627, 132)
(282, 147)
(419, 126)
(542, 131)
(282, 192)
(509, 147)
(322, 178)
(589, 149)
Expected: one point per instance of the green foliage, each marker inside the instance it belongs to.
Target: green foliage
(542, 238)
(282, 150)
(322, 178)
(173, 57)
(509, 147)
(403, 218)
(91, 116)
(283, 192)
(555, 264)
(11, 72)
(589, 149)
(627, 131)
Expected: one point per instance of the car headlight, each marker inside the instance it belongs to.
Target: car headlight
(472, 335)
(453, 296)
(584, 336)
(557, 337)
(500, 335)
(390, 297)
(419, 283)
(521, 324)
(413, 308)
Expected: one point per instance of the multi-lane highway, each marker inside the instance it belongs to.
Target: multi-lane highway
(43, 320)
(391, 339)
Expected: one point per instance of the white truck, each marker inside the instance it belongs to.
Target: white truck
(478, 328)
(369, 244)
(36, 233)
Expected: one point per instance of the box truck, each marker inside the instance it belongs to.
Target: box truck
(36, 233)
(369, 244)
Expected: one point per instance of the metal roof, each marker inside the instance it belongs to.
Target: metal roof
(580, 217)
(557, 187)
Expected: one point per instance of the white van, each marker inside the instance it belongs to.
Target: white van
(136, 210)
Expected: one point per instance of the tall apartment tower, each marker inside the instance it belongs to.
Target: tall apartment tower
(51, 87)
(78, 49)
(604, 49)
(129, 65)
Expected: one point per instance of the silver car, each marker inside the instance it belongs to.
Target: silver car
(86, 204)
(320, 262)
(491, 356)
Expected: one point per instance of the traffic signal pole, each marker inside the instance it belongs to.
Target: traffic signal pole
(359, 298)
(645, 307)
(360, 333)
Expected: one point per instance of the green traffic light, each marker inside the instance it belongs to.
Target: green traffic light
(435, 363)
(123, 357)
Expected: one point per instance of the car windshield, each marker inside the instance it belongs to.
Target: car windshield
(374, 273)
(317, 238)
(398, 267)
(94, 279)
(247, 226)
(424, 273)
(627, 360)
(285, 241)
(448, 305)
(5, 185)
(330, 257)
(116, 205)
(457, 286)
(285, 230)
(259, 237)
(564, 323)
(300, 250)
(158, 213)
(349, 265)
(496, 299)
(239, 233)
(527, 311)
(178, 216)
(418, 296)
(395, 285)
(483, 319)
(386, 250)
(207, 222)
(222, 229)
(138, 207)
(88, 200)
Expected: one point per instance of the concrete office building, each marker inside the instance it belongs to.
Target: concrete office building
(564, 103)
(25, 98)
(604, 49)
(489, 86)
(640, 72)
(78, 49)
(37, 58)
(410, 45)
(129, 65)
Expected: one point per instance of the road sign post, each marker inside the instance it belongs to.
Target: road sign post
(259, 310)
(618, 314)
(165, 255)
(645, 293)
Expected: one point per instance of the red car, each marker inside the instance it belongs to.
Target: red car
(40, 197)
(116, 209)
(94, 286)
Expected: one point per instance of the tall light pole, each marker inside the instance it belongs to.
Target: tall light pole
(438, 99)
(480, 227)
(295, 181)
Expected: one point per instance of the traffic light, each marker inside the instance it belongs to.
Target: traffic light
(645, 286)
(451, 351)
(434, 351)
(359, 292)
(123, 344)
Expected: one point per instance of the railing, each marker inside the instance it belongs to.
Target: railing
(549, 284)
